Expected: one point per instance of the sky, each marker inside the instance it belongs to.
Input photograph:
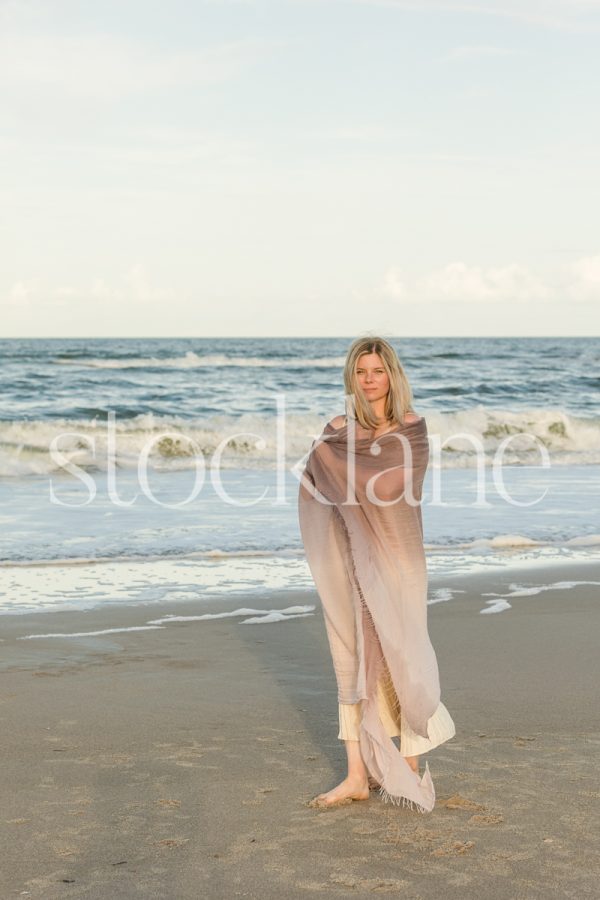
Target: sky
(299, 168)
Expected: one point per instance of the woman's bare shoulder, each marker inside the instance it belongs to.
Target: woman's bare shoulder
(411, 417)
(337, 422)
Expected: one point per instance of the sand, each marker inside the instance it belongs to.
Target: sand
(179, 763)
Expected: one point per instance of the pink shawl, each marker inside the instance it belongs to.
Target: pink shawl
(365, 551)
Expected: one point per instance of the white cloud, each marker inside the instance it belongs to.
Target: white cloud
(584, 282)
(457, 282)
(134, 287)
(20, 293)
(393, 286)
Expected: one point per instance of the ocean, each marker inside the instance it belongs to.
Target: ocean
(88, 508)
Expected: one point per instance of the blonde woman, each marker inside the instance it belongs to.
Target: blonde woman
(360, 517)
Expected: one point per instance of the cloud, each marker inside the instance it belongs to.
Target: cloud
(135, 287)
(20, 294)
(584, 282)
(105, 66)
(459, 283)
(393, 286)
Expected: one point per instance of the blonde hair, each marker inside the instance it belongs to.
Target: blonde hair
(399, 398)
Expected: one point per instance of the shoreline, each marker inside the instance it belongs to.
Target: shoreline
(156, 581)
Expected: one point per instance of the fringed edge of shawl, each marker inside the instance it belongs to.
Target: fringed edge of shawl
(404, 801)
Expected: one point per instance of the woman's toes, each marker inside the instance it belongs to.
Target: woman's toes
(345, 792)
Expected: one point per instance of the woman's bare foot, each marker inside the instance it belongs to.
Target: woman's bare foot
(347, 790)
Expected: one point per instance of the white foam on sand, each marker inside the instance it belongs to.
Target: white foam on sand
(500, 603)
(274, 616)
(264, 614)
(258, 617)
(496, 606)
(29, 589)
(70, 634)
(442, 595)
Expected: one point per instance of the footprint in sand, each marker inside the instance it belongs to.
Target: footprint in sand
(454, 849)
(171, 842)
(259, 796)
(456, 801)
(320, 804)
(369, 885)
(65, 852)
(522, 741)
(492, 819)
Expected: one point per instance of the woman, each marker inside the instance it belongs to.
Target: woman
(360, 520)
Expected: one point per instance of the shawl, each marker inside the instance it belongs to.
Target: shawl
(360, 520)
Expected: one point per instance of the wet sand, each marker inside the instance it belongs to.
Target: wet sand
(178, 763)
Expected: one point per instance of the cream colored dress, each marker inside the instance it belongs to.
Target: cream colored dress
(440, 725)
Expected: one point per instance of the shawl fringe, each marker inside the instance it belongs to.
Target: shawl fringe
(404, 801)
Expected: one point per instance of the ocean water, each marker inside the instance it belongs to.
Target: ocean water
(255, 405)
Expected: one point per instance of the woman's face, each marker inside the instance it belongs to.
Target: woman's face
(372, 377)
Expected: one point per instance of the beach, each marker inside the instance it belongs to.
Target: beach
(168, 700)
(178, 761)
